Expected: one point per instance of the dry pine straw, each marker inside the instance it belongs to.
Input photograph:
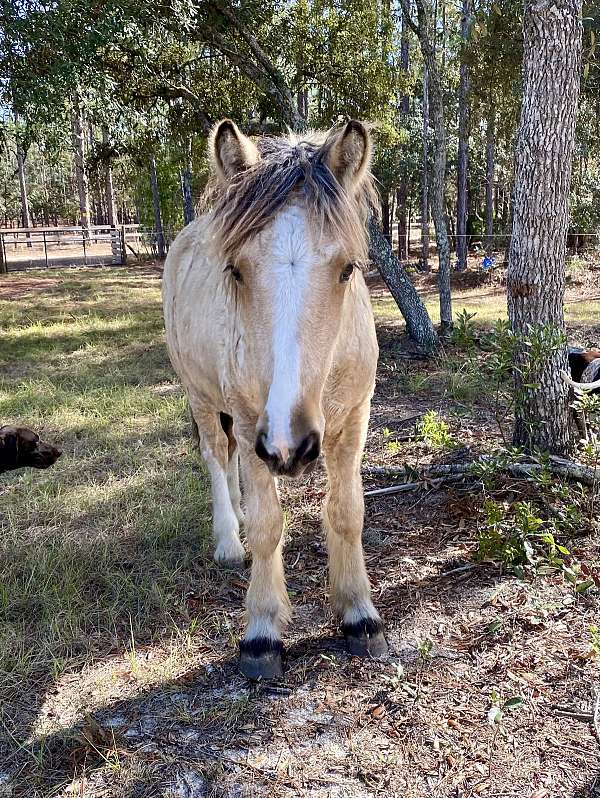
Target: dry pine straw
(150, 702)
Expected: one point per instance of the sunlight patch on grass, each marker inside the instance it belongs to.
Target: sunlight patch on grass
(487, 304)
(104, 540)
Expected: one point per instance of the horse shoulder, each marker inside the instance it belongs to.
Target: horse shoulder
(194, 308)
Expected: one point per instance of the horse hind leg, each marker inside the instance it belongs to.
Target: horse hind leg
(233, 473)
(213, 443)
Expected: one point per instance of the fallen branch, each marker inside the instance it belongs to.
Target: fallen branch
(128, 245)
(557, 465)
(406, 486)
(564, 712)
(596, 716)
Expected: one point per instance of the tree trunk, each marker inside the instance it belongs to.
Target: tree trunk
(425, 31)
(160, 236)
(402, 192)
(536, 270)
(21, 156)
(418, 323)
(490, 142)
(81, 176)
(3, 263)
(404, 64)
(189, 212)
(425, 178)
(401, 197)
(462, 203)
(111, 205)
(385, 215)
(25, 214)
(438, 191)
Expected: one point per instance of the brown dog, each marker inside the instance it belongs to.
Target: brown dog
(22, 448)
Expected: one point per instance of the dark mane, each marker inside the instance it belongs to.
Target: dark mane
(290, 168)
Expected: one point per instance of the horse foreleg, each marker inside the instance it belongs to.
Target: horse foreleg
(343, 515)
(214, 445)
(267, 603)
(233, 482)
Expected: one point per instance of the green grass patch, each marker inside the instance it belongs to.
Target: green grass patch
(103, 544)
(488, 305)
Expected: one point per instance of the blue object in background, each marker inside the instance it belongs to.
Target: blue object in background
(487, 263)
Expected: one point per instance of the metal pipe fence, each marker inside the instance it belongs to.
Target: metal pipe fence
(99, 245)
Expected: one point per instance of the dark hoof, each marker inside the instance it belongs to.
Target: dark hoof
(365, 639)
(261, 659)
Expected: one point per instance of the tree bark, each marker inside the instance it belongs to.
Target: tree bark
(25, 214)
(160, 236)
(402, 192)
(438, 193)
(81, 176)
(189, 212)
(490, 146)
(536, 271)
(3, 263)
(462, 204)
(425, 178)
(385, 216)
(418, 323)
(401, 200)
(111, 205)
(424, 30)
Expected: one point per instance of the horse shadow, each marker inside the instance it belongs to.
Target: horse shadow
(208, 716)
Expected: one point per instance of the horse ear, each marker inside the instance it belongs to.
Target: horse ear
(348, 153)
(231, 151)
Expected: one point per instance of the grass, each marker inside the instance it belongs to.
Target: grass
(118, 635)
(488, 303)
(105, 541)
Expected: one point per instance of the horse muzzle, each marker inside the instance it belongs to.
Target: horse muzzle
(291, 462)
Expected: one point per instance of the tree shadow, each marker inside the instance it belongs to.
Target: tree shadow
(209, 715)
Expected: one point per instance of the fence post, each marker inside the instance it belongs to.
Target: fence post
(45, 248)
(123, 246)
(3, 263)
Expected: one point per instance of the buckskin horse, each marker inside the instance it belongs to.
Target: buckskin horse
(270, 329)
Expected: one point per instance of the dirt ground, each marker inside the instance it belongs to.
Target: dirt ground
(464, 638)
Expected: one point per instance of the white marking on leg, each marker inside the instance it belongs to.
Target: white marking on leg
(225, 524)
(262, 628)
(233, 483)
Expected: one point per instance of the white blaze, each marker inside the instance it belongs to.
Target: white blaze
(291, 260)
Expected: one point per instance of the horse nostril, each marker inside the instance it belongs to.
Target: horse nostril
(273, 460)
(309, 449)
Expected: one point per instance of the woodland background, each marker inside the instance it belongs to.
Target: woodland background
(101, 101)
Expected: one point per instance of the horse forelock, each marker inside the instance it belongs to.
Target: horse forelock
(291, 169)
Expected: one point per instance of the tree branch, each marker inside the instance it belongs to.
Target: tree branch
(173, 91)
(557, 465)
(272, 81)
(405, 4)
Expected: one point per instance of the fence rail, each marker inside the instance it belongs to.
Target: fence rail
(54, 247)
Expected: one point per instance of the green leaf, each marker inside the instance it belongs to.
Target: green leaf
(513, 703)
(583, 586)
(570, 576)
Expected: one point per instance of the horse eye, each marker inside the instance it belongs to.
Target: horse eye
(235, 272)
(347, 273)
